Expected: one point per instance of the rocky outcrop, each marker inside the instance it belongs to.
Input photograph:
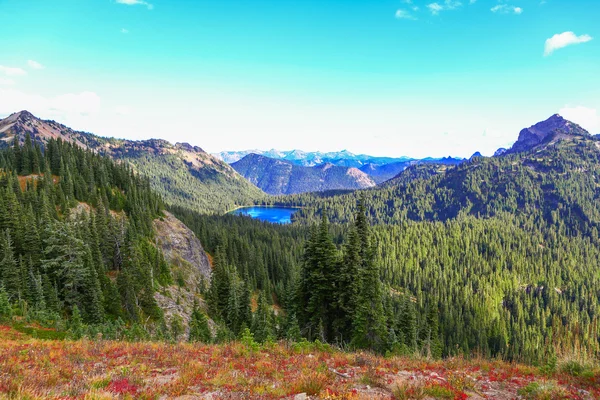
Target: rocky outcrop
(500, 152)
(182, 249)
(545, 132)
(189, 266)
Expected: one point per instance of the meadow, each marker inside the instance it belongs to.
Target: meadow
(34, 368)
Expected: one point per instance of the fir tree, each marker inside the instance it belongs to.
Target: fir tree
(408, 323)
(5, 308)
(9, 271)
(318, 283)
(262, 326)
(199, 329)
(76, 325)
(293, 333)
(369, 322)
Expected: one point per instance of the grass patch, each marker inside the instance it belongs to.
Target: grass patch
(406, 391)
(39, 333)
(542, 391)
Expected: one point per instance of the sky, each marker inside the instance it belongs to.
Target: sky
(389, 77)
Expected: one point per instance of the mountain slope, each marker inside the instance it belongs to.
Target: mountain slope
(184, 175)
(555, 180)
(545, 132)
(282, 177)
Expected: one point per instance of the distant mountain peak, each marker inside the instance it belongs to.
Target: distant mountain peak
(23, 115)
(554, 128)
(277, 176)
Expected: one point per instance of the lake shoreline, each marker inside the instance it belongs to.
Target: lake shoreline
(267, 213)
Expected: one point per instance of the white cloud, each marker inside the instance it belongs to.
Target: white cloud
(124, 31)
(123, 110)
(564, 39)
(135, 3)
(34, 64)
(11, 71)
(62, 106)
(506, 9)
(403, 14)
(435, 8)
(588, 118)
(6, 81)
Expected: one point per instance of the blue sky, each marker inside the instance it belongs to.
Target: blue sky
(416, 78)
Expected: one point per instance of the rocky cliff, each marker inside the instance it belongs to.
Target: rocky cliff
(190, 267)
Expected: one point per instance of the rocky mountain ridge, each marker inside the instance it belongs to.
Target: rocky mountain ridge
(547, 132)
(278, 177)
(183, 174)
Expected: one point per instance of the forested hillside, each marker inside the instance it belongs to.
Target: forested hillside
(77, 238)
(496, 257)
(182, 174)
(557, 184)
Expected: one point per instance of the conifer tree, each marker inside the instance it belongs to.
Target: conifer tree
(348, 287)
(318, 283)
(293, 333)
(5, 308)
(9, 271)
(218, 294)
(76, 324)
(408, 323)
(369, 322)
(199, 329)
(262, 326)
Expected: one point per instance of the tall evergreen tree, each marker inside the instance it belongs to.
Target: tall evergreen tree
(9, 270)
(199, 329)
(369, 322)
(318, 283)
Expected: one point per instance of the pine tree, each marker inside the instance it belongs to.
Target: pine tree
(262, 326)
(50, 295)
(429, 335)
(348, 287)
(199, 329)
(26, 156)
(293, 333)
(245, 306)
(76, 325)
(64, 257)
(9, 271)
(318, 283)
(218, 294)
(370, 331)
(408, 323)
(5, 308)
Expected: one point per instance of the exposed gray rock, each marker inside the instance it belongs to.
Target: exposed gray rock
(555, 127)
(189, 263)
(182, 249)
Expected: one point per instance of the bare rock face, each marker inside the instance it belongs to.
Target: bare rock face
(555, 127)
(189, 265)
(182, 249)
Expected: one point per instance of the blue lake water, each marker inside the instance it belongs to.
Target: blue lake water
(274, 215)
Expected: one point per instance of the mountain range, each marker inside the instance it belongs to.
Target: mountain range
(379, 169)
(188, 176)
(489, 248)
(184, 175)
(310, 159)
(277, 177)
